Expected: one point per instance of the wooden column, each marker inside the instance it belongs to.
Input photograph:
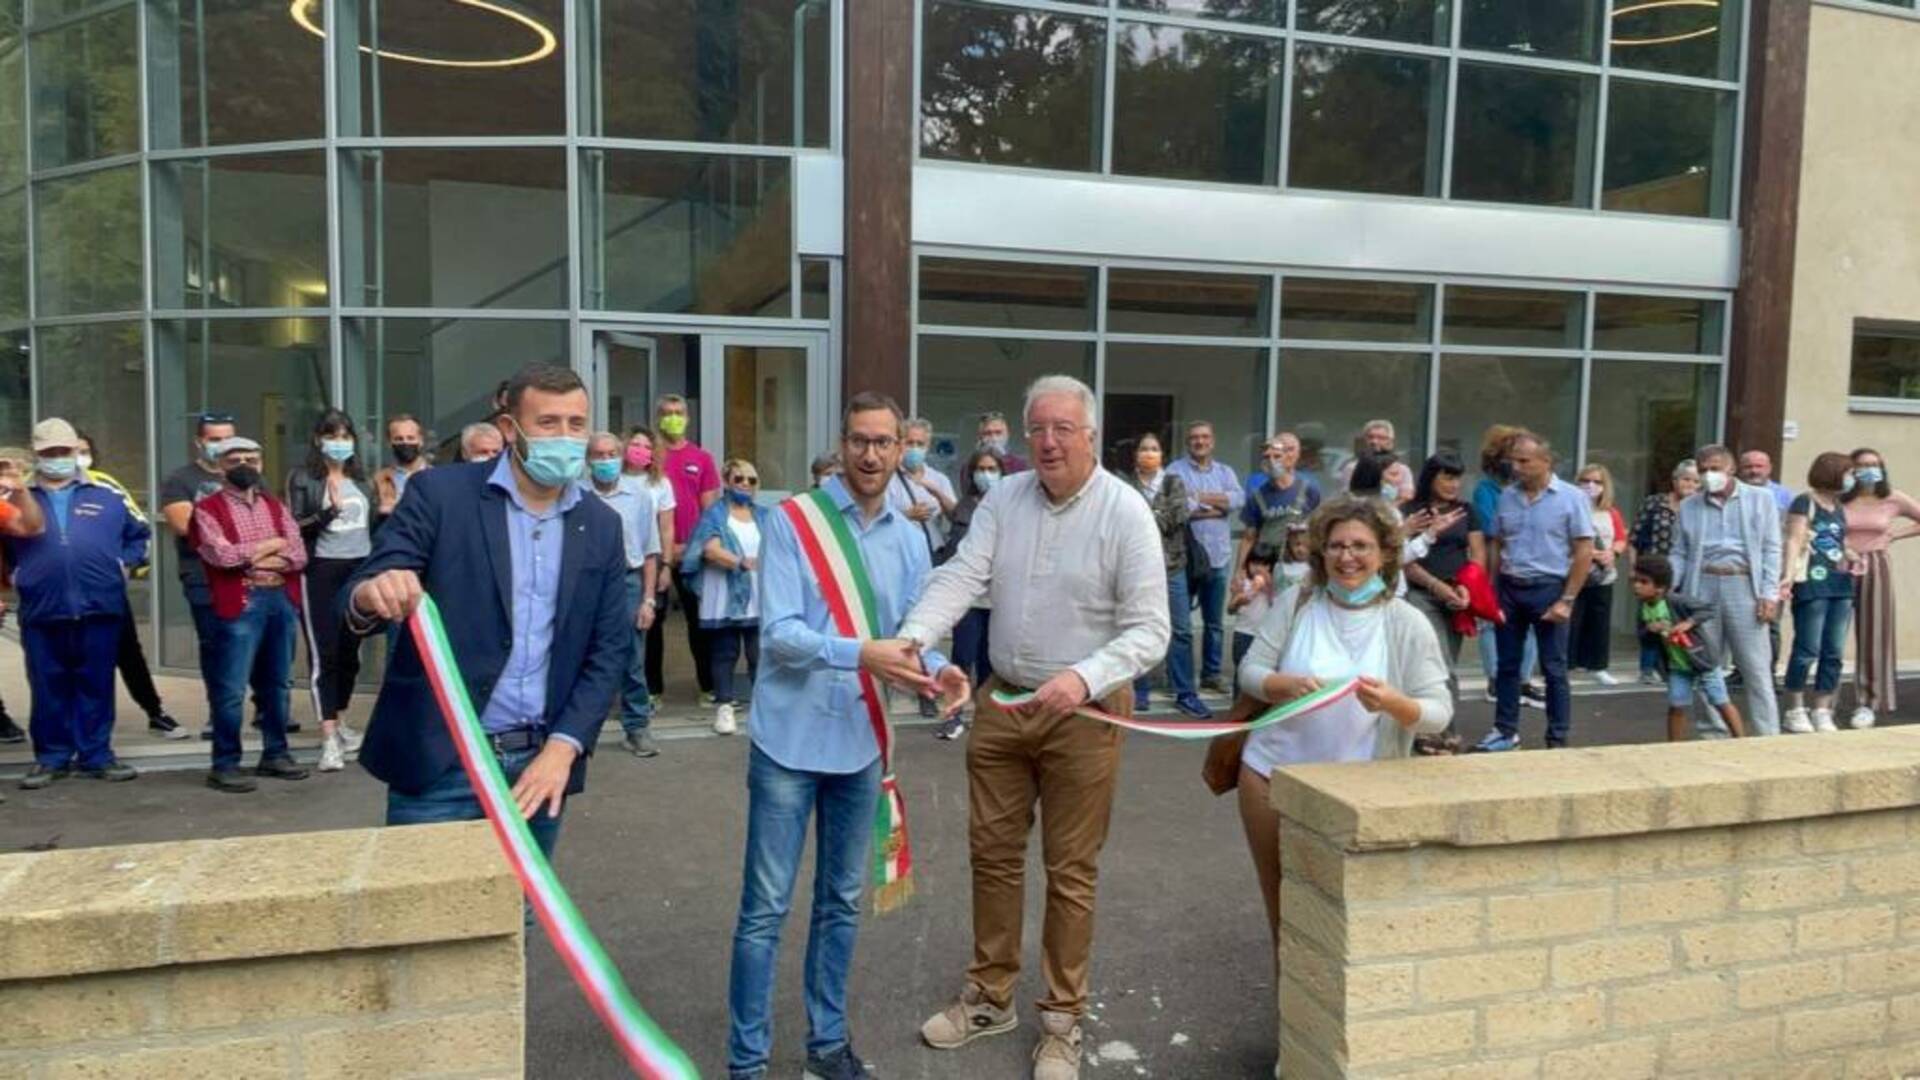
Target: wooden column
(879, 192)
(1775, 119)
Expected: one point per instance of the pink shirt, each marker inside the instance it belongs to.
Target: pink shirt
(693, 474)
(1869, 523)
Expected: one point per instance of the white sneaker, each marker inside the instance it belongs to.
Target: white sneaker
(1606, 678)
(1823, 720)
(350, 739)
(1862, 718)
(331, 758)
(723, 723)
(1795, 721)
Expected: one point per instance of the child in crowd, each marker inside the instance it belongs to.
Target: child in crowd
(1294, 567)
(1671, 623)
(1249, 605)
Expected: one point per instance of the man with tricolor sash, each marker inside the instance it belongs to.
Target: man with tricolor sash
(839, 568)
(1070, 557)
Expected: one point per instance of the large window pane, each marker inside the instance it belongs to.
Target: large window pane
(750, 71)
(1425, 22)
(1272, 12)
(13, 108)
(452, 69)
(1195, 105)
(1010, 87)
(1162, 389)
(1326, 396)
(94, 375)
(86, 93)
(13, 258)
(1518, 318)
(1669, 149)
(1176, 302)
(459, 228)
(1563, 29)
(1367, 121)
(240, 231)
(959, 378)
(16, 389)
(1009, 295)
(87, 242)
(704, 233)
(208, 84)
(1335, 309)
(1668, 324)
(441, 371)
(1524, 136)
(1541, 393)
(1646, 417)
(270, 374)
(1702, 40)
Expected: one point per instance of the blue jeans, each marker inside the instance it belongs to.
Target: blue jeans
(70, 671)
(636, 705)
(725, 644)
(1819, 634)
(451, 798)
(256, 647)
(1649, 658)
(1525, 603)
(779, 803)
(1681, 684)
(970, 645)
(1210, 592)
(1490, 655)
(1180, 649)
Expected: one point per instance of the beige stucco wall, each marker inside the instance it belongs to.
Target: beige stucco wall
(1857, 253)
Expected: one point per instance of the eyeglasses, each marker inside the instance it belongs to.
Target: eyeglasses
(860, 444)
(744, 481)
(1059, 432)
(1356, 550)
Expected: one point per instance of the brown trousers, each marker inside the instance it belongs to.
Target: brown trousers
(1068, 767)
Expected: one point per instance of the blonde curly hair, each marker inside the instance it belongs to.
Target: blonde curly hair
(1379, 518)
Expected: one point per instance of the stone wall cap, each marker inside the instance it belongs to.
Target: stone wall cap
(1482, 800)
(197, 901)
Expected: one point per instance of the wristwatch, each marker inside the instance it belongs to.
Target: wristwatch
(1567, 599)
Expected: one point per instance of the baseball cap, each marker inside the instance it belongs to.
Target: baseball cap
(52, 433)
(237, 442)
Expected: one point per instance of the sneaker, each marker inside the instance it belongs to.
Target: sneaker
(841, 1064)
(206, 733)
(1492, 695)
(1823, 721)
(163, 726)
(332, 758)
(955, 726)
(707, 700)
(1862, 718)
(1533, 694)
(1214, 684)
(1606, 678)
(1651, 678)
(969, 1017)
(1057, 1055)
(1496, 742)
(1796, 721)
(230, 781)
(1191, 705)
(117, 772)
(350, 737)
(723, 722)
(40, 776)
(640, 743)
(280, 768)
(1142, 703)
(9, 731)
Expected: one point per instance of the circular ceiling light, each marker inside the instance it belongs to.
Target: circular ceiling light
(543, 41)
(1666, 39)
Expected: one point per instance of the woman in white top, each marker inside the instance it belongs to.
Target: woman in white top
(724, 551)
(642, 467)
(1590, 631)
(1344, 622)
(331, 502)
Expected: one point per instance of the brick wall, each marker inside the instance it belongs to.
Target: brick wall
(367, 953)
(1730, 910)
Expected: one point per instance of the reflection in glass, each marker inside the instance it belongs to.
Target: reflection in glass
(1010, 87)
(456, 228)
(207, 85)
(87, 242)
(94, 376)
(1163, 388)
(1886, 361)
(272, 375)
(13, 111)
(1423, 22)
(1665, 324)
(1669, 149)
(16, 389)
(766, 415)
(1524, 318)
(13, 257)
(1196, 105)
(85, 92)
(1524, 136)
(816, 289)
(451, 69)
(1336, 309)
(1270, 12)
(1367, 121)
(705, 233)
(1026, 296)
(240, 231)
(1643, 418)
(1479, 391)
(442, 371)
(1562, 29)
(962, 377)
(1326, 397)
(1698, 39)
(747, 71)
(1177, 302)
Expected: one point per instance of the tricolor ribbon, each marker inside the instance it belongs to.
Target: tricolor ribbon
(648, 1049)
(1205, 729)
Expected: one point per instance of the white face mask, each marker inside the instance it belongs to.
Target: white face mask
(1714, 481)
(85, 460)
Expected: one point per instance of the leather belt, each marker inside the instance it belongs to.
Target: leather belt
(517, 740)
(1725, 571)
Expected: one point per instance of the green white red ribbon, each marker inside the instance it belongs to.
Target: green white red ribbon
(1197, 730)
(648, 1049)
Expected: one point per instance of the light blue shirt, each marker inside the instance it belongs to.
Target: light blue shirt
(1537, 532)
(1214, 534)
(534, 542)
(807, 714)
(639, 522)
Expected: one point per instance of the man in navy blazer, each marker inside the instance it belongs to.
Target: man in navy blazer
(530, 581)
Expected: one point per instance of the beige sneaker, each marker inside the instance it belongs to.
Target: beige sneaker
(970, 1016)
(1057, 1055)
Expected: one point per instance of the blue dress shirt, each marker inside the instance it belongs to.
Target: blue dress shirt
(807, 714)
(1215, 534)
(519, 698)
(1537, 533)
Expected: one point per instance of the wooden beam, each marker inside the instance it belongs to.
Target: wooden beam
(878, 137)
(1769, 219)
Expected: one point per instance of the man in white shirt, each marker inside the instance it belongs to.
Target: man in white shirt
(1070, 557)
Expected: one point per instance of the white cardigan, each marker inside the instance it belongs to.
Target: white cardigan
(1415, 666)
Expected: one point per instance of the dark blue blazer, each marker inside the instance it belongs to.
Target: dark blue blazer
(451, 528)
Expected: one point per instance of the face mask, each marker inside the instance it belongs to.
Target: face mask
(673, 426)
(1365, 594)
(984, 479)
(605, 471)
(1869, 475)
(1714, 481)
(58, 468)
(1592, 488)
(639, 457)
(85, 460)
(1276, 469)
(551, 461)
(207, 454)
(995, 443)
(406, 453)
(740, 498)
(915, 458)
(1847, 483)
(243, 477)
(1387, 492)
(337, 449)
(1148, 461)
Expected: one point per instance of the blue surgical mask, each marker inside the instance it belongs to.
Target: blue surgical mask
(1847, 483)
(59, 468)
(915, 457)
(1365, 594)
(206, 453)
(995, 443)
(1869, 475)
(605, 471)
(984, 479)
(553, 460)
(337, 449)
(740, 498)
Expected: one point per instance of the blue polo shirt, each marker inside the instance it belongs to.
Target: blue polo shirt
(1537, 532)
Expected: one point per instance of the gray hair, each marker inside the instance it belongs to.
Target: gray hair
(471, 431)
(1686, 468)
(605, 436)
(918, 423)
(1378, 425)
(1713, 450)
(1062, 384)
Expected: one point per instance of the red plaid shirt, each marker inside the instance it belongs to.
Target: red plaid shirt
(254, 522)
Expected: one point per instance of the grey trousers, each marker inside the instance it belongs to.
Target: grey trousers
(1738, 635)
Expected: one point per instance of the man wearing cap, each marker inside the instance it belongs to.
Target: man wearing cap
(72, 581)
(182, 488)
(250, 548)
